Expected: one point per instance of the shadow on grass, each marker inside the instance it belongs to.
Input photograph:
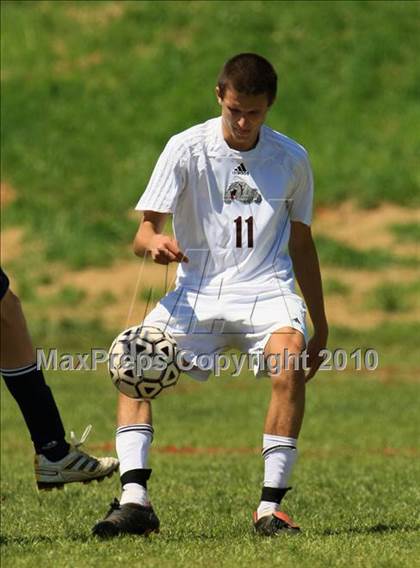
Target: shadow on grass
(375, 529)
(41, 539)
(87, 537)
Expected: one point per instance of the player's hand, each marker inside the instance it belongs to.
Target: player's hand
(165, 249)
(315, 345)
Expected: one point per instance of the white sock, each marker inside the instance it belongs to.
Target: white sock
(279, 454)
(134, 493)
(132, 444)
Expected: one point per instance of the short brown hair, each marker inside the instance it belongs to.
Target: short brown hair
(249, 74)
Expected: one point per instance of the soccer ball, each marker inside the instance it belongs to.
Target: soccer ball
(142, 362)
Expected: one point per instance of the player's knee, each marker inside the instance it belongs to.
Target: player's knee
(287, 373)
(285, 364)
(286, 341)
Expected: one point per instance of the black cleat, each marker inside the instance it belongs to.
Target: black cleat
(130, 518)
(274, 524)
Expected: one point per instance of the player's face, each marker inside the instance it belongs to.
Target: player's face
(242, 117)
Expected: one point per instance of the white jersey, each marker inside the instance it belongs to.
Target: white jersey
(232, 209)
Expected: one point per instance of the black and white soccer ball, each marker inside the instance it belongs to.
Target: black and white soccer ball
(142, 362)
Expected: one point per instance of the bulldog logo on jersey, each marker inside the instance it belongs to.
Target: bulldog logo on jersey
(241, 191)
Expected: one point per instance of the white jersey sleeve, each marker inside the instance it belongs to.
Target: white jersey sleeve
(302, 196)
(167, 181)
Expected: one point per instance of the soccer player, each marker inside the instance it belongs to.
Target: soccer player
(241, 198)
(56, 461)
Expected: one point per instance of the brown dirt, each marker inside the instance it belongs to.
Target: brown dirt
(352, 310)
(121, 281)
(129, 306)
(366, 228)
(11, 244)
(100, 15)
(68, 66)
(7, 193)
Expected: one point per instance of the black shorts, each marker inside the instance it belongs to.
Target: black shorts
(4, 284)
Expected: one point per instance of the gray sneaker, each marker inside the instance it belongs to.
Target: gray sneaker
(76, 466)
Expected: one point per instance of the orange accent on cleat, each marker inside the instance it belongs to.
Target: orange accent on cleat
(283, 517)
(274, 524)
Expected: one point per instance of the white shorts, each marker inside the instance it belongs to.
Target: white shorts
(203, 323)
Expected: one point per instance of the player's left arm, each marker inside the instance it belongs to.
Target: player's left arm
(308, 275)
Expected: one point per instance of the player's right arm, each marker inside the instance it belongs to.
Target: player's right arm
(149, 239)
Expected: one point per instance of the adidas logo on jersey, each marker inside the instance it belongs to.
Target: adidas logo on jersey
(241, 169)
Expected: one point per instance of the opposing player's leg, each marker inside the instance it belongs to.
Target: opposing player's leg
(281, 430)
(56, 461)
(133, 513)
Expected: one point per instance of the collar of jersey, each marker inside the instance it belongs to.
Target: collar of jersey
(226, 150)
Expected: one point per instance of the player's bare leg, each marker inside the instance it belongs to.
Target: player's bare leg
(16, 345)
(281, 430)
(131, 411)
(287, 404)
(56, 462)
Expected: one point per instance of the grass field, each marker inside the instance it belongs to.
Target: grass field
(90, 93)
(355, 492)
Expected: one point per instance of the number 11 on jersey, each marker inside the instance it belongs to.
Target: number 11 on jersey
(250, 229)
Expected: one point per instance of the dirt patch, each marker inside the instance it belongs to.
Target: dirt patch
(136, 286)
(100, 15)
(11, 244)
(130, 284)
(119, 295)
(67, 66)
(7, 194)
(366, 228)
(353, 310)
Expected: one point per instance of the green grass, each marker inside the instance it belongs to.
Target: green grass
(393, 297)
(353, 494)
(333, 286)
(388, 299)
(396, 343)
(150, 294)
(92, 90)
(70, 333)
(90, 93)
(336, 253)
(350, 496)
(68, 296)
(105, 299)
(407, 232)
